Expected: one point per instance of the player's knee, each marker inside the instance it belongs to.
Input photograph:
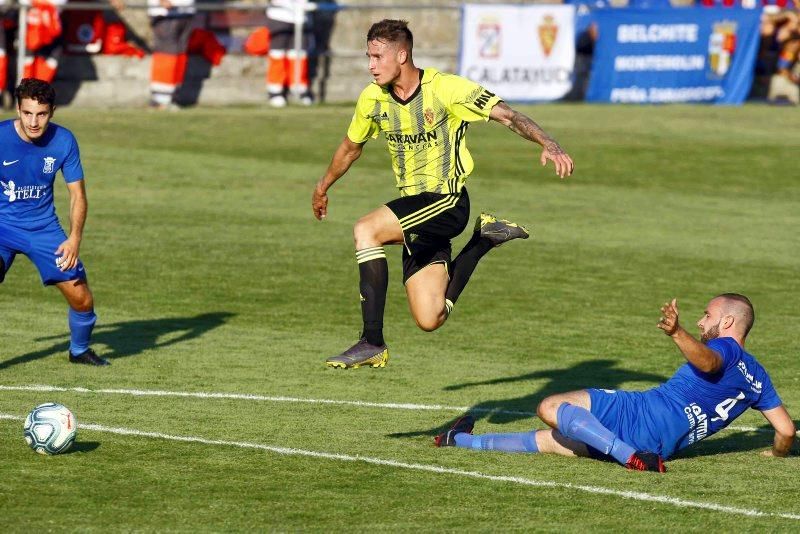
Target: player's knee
(362, 230)
(365, 233)
(547, 409)
(83, 306)
(428, 322)
(84, 303)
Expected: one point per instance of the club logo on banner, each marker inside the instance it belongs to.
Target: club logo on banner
(674, 55)
(548, 31)
(721, 46)
(520, 52)
(489, 38)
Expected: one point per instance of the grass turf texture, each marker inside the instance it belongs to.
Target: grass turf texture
(210, 274)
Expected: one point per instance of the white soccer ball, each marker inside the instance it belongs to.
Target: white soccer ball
(50, 428)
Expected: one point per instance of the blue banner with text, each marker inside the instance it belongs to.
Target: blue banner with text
(647, 56)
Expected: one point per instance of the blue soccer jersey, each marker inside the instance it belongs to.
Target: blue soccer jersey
(690, 406)
(710, 402)
(28, 173)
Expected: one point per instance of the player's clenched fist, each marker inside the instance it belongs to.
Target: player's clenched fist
(669, 317)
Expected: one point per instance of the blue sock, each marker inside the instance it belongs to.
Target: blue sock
(518, 442)
(579, 424)
(80, 330)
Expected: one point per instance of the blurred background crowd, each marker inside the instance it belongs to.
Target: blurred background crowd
(293, 38)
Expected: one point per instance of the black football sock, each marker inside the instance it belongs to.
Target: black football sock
(464, 265)
(374, 272)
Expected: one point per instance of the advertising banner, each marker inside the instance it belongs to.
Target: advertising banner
(674, 55)
(519, 52)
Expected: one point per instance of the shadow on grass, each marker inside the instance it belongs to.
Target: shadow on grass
(593, 373)
(133, 337)
(731, 441)
(82, 446)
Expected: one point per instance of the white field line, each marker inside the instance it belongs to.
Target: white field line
(635, 495)
(264, 398)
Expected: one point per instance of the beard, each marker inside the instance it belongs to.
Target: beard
(711, 333)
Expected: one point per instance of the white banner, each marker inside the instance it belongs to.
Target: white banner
(519, 52)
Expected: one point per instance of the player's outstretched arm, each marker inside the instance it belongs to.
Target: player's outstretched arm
(703, 358)
(784, 431)
(343, 158)
(69, 250)
(525, 127)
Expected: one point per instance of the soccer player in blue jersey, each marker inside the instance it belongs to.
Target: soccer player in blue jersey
(639, 429)
(33, 149)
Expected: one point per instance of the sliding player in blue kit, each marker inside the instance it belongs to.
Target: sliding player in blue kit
(638, 429)
(33, 149)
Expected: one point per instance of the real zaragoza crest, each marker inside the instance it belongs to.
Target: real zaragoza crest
(548, 32)
(48, 165)
(721, 46)
(429, 116)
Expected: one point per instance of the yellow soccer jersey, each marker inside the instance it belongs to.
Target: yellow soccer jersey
(426, 134)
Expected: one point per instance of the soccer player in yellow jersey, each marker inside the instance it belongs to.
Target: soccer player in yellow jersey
(424, 116)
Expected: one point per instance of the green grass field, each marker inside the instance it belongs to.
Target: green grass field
(212, 277)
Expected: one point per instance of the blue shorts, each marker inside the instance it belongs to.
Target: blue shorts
(39, 246)
(645, 420)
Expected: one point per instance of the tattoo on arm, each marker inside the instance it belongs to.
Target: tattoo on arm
(524, 126)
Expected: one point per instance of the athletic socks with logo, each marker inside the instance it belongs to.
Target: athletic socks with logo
(515, 442)
(374, 282)
(464, 265)
(579, 424)
(80, 329)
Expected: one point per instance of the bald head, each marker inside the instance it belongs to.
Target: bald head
(741, 309)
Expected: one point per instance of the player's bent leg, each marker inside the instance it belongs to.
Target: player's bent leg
(489, 232)
(425, 290)
(547, 410)
(554, 442)
(81, 318)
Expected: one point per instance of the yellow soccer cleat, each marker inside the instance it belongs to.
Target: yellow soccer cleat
(360, 354)
(498, 231)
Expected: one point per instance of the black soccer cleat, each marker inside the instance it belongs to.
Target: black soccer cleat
(362, 353)
(88, 357)
(463, 424)
(646, 461)
(498, 231)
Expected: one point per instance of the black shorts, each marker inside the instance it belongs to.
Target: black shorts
(429, 221)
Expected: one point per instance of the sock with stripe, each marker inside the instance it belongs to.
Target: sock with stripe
(579, 424)
(80, 330)
(464, 265)
(374, 273)
(515, 442)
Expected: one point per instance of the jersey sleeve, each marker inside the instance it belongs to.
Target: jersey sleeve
(769, 398)
(72, 168)
(467, 100)
(727, 348)
(363, 126)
